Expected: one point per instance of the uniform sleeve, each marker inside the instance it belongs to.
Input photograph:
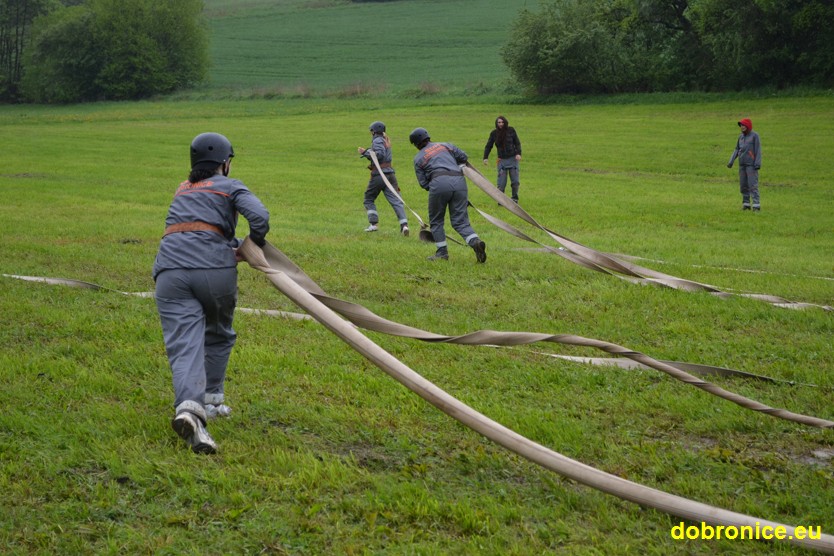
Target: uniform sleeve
(379, 147)
(459, 156)
(253, 210)
(420, 172)
(733, 156)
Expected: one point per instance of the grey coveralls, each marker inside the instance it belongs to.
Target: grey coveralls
(748, 152)
(376, 184)
(196, 286)
(437, 167)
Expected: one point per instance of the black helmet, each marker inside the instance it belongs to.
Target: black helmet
(418, 136)
(210, 148)
(377, 127)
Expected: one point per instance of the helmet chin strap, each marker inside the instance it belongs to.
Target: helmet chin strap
(226, 167)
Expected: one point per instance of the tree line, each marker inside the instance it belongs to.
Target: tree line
(611, 46)
(87, 50)
(58, 51)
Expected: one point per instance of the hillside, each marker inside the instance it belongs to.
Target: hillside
(304, 46)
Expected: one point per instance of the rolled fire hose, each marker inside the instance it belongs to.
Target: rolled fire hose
(364, 318)
(572, 469)
(597, 260)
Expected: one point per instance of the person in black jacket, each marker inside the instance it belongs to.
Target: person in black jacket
(508, 146)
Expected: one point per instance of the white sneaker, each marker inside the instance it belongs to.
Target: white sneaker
(214, 411)
(191, 429)
(371, 228)
(404, 230)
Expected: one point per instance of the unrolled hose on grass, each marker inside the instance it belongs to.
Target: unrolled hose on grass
(362, 317)
(585, 474)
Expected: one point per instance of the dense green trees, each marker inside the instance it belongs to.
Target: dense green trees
(109, 49)
(602, 46)
(16, 17)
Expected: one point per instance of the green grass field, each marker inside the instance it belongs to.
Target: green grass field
(324, 453)
(327, 455)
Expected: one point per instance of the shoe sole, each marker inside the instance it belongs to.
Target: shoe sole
(183, 427)
(480, 251)
(202, 448)
(185, 430)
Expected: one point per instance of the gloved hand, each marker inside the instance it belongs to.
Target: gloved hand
(260, 241)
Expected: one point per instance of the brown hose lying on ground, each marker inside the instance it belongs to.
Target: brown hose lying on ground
(587, 475)
(604, 262)
(364, 318)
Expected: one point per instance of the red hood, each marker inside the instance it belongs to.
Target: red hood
(747, 123)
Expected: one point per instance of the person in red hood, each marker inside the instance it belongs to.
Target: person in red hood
(748, 152)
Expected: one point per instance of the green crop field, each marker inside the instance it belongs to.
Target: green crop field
(411, 47)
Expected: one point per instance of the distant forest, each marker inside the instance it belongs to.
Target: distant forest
(87, 50)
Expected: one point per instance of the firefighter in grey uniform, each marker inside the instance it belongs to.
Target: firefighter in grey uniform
(381, 145)
(748, 152)
(196, 284)
(438, 171)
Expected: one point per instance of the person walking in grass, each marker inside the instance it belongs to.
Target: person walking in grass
(381, 145)
(196, 284)
(438, 170)
(508, 145)
(748, 152)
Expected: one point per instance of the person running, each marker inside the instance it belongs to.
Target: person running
(508, 147)
(438, 171)
(748, 152)
(381, 145)
(196, 284)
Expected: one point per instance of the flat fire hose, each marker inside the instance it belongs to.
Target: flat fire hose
(696, 368)
(276, 261)
(572, 469)
(604, 262)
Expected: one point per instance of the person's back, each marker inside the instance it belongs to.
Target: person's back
(438, 170)
(195, 272)
(436, 160)
(215, 201)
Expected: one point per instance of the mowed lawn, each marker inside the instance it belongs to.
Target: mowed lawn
(324, 453)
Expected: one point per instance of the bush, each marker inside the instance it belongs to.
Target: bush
(604, 46)
(116, 50)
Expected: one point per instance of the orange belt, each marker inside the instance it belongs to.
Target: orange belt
(192, 227)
